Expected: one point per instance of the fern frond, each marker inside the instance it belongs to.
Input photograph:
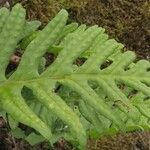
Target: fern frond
(30, 27)
(4, 13)
(103, 92)
(9, 37)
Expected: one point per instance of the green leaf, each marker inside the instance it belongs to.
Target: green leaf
(34, 139)
(30, 27)
(18, 133)
(12, 123)
(110, 97)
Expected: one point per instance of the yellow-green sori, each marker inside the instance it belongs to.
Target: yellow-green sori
(106, 101)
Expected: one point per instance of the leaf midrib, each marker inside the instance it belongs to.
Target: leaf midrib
(81, 76)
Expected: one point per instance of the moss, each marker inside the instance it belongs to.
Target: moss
(42, 10)
(45, 10)
(130, 141)
(72, 3)
(125, 20)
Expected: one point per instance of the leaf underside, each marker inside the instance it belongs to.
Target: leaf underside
(105, 95)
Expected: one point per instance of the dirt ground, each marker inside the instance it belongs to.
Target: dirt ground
(128, 21)
(130, 141)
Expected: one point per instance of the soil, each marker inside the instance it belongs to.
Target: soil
(130, 141)
(128, 21)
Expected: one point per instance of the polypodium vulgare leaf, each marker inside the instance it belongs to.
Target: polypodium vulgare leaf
(111, 95)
